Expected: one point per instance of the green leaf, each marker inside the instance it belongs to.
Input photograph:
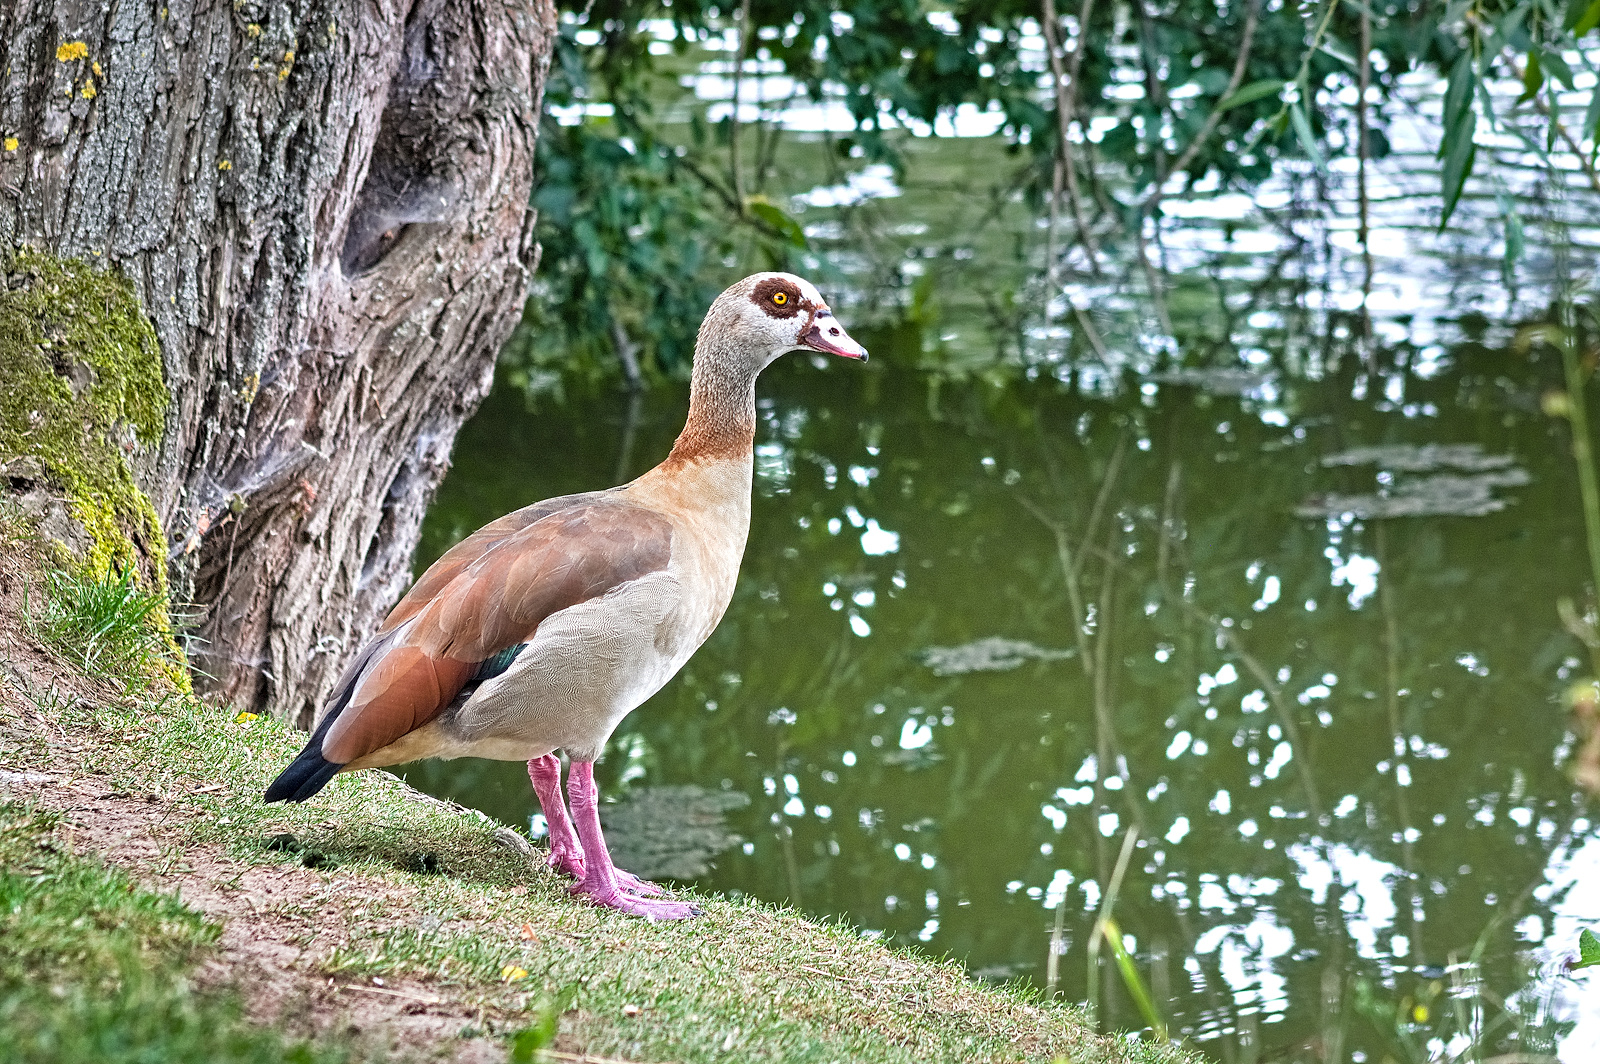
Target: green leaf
(530, 1040)
(1532, 78)
(1453, 13)
(1460, 151)
(1328, 48)
(1591, 117)
(1457, 97)
(526, 1046)
(1132, 980)
(1362, 9)
(777, 218)
(1557, 67)
(1587, 19)
(1514, 235)
(1588, 950)
(1308, 139)
(1252, 92)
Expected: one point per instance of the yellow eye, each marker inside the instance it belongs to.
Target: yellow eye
(780, 298)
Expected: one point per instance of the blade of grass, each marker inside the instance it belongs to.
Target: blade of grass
(1133, 981)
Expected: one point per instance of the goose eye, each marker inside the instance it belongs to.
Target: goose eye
(780, 298)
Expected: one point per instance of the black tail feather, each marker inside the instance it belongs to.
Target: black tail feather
(308, 773)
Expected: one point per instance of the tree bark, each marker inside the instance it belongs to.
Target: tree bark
(323, 205)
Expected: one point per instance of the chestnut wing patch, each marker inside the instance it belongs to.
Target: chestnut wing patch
(480, 606)
(453, 561)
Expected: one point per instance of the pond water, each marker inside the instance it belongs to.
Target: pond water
(1263, 605)
(1341, 739)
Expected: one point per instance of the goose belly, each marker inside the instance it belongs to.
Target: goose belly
(587, 667)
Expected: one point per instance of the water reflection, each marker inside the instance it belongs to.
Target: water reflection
(983, 631)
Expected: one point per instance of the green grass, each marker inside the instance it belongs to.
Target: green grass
(107, 625)
(93, 968)
(384, 884)
(445, 904)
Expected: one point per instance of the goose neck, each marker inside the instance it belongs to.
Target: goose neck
(722, 409)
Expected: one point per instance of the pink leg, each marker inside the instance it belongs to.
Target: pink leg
(566, 852)
(600, 882)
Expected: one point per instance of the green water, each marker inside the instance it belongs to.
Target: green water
(1341, 740)
(1271, 580)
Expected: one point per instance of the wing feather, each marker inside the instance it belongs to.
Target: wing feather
(488, 593)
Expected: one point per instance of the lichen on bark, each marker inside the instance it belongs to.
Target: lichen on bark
(81, 393)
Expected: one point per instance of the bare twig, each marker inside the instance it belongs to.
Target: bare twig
(1246, 39)
(1108, 904)
(627, 355)
(1052, 963)
(429, 1000)
(1066, 92)
(733, 119)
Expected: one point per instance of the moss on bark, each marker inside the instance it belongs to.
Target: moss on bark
(81, 390)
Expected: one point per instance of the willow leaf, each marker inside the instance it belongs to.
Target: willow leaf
(1252, 92)
(1308, 139)
(1588, 20)
(1460, 151)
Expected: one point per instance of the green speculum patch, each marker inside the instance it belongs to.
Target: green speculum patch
(83, 387)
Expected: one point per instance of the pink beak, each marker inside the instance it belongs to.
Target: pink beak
(828, 336)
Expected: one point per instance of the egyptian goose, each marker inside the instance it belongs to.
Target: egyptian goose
(542, 630)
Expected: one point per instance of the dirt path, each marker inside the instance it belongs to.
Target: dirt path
(278, 921)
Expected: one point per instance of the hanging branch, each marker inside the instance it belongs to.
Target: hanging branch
(733, 118)
(1065, 177)
(1364, 81)
(1065, 82)
(1246, 40)
(1153, 277)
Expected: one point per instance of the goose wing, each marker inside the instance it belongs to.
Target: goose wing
(487, 594)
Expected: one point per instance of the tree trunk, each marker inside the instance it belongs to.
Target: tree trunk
(323, 206)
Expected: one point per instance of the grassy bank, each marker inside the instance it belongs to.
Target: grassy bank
(96, 968)
(373, 918)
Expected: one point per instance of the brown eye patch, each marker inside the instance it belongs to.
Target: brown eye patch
(778, 297)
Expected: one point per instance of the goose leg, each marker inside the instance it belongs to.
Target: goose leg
(566, 852)
(601, 882)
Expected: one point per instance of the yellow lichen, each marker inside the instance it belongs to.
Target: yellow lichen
(224, 165)
(11, 144)
(70, 50)
(89, 91)
(95, 66)
(253, 30)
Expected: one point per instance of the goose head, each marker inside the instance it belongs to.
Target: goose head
(770, 314)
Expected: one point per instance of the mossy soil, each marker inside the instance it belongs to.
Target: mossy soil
(373, 921)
